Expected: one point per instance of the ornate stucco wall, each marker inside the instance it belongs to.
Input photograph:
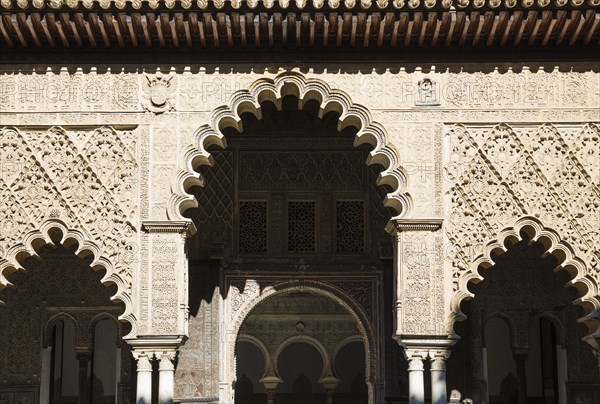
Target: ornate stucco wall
(105, 154)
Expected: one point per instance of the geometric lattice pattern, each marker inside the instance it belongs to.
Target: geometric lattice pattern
(87, 178)
(350, 233)
(253, 227)
(500, 174)
(215, 197)
(301, 227)
(298, 170)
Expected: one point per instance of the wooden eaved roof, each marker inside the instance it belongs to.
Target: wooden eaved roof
(311, 24)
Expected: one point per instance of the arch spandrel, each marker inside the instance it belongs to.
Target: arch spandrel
(581, 279)
(295, 84)
(55, 231)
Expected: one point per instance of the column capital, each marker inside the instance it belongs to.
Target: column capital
(144, 361)
(415, 353)
(438, 359)
(166, 359)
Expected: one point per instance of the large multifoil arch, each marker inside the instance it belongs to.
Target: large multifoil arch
(364, 326)
(305, 90)
(554, 245)
(55, 231)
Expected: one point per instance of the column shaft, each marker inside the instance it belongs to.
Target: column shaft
(439, 393)
(84, 380)
(416, 384)
(521, 378)
(144, 380)
(166, 380)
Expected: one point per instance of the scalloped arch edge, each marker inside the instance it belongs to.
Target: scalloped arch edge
(554, 245)
(35, 239)
(273, 90)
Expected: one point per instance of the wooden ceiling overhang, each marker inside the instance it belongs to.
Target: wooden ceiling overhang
(311, 24)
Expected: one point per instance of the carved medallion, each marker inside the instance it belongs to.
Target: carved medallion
(158, 94)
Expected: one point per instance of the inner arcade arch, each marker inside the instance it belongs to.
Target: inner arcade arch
(293, 325)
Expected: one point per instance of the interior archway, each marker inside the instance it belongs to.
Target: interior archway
(302, 332)
(59, 304)
(291, 193)
(521, 308)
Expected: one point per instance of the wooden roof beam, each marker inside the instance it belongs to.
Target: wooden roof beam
(545, 26)
(584, 24)
(83, 30)
(5, 34)
(29, 27)
(452, 28)
(534, 32)
(499, 25)
(183, 29)
(140, 22)
(574, 18)
(97, 26)
(41, 28)
(56, 29)
(481, 24)
(593, 28)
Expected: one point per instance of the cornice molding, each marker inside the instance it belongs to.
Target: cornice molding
(169, 226)
(404, 225)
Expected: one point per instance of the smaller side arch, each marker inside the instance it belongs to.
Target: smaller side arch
(106, 316)
(55, 231)
(556, 322)
(507, 320)
(553, 245)
(51, 323)
(251, 339)
(327, 370)
(343, 343)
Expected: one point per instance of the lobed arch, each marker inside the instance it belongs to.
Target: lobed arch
(273, 90)
(55, 231)
(553, 244)
(365, 329)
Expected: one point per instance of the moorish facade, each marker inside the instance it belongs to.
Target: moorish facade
(323, 202)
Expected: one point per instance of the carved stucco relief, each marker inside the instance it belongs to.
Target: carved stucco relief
(84, 179)
(498, 174)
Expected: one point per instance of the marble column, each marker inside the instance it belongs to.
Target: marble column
(270, 382)
(166, 378)
(84, 357)
(438, 359)
(416, 383)
(270, 396)
(521, 359)
(144, 378)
